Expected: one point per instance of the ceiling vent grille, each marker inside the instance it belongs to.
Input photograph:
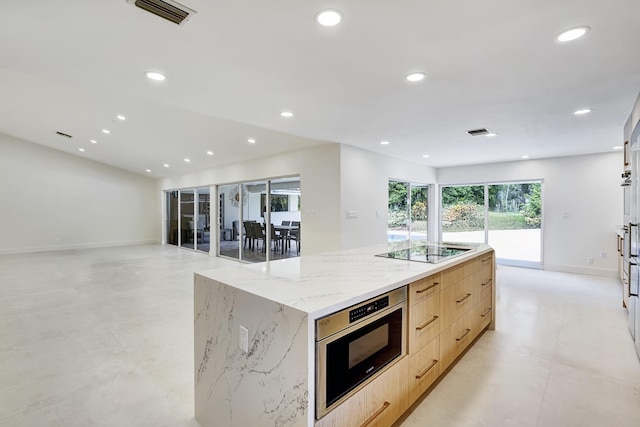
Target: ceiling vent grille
(479, 132)
(167, 9)
(66, 135)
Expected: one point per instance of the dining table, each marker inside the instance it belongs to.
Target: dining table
(285, 230)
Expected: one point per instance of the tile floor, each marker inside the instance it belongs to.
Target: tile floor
(103, 337)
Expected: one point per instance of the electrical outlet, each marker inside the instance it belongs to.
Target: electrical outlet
(243, 339)
(352, 214)
(603, 254)
(590, 260)
(565, 215)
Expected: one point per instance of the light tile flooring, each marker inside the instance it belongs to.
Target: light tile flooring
(104, 337)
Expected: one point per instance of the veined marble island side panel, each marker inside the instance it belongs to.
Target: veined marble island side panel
(268, 385)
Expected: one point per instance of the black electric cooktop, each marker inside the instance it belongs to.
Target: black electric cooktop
(425, 253)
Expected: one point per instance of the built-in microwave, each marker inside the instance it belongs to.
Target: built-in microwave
(355, 344)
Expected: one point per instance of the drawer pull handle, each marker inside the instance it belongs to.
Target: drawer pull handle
(486, 283)
(463, 298)
(427, 323)
(427, 369)
(486, 312)
(461, 337)
(486, 260)
(385, 405)
(419, 291)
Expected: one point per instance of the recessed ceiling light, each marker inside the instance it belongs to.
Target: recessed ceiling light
(187, 159)
(148, 170)
(81, 149)
(154, 75)
(107, 131)
(384, 143)
(572, 34)
(251, 141)
(93, 141)
(617, 147)
(583, 111)
(210, 153)
(166, 165)
(526, 156)
(415, 77)
(329, 17)
(286, 114)
(425, 156)
(121, 117)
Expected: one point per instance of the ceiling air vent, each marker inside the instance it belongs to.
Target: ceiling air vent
(479, 132)
(66, 135)
(167, 9)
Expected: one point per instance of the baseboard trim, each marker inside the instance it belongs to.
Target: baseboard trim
(601, 272)
(53, 248)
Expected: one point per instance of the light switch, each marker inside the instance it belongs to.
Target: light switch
(243, 339)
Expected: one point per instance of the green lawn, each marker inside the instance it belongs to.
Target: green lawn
(497, 221)
(507, 221)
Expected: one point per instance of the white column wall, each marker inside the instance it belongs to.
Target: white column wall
(365, 190)
(587, 187)
(51, 200)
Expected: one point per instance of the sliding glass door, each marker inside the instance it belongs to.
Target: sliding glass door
(507, 216)
(188, 218)
(462, 216)
(407, 211)
(515, 220)
(256, 219)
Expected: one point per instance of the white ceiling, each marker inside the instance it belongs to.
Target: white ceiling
(73, 65)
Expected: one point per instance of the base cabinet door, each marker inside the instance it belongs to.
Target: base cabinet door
(456, 338)
(424, 323)
(378, 404)
(424, 369)
(484, 312)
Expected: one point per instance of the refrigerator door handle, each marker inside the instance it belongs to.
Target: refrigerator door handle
(634, 277)
(633, 239)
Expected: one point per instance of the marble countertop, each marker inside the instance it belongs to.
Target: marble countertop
(324, 283)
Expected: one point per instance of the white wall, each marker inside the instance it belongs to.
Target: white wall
(51, 200)
(588, 187)
(364, 188)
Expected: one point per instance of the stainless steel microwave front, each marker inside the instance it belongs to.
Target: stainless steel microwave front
(371, 338)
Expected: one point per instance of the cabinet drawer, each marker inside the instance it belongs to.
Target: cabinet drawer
(423, 288)
(456, 338)
(483, 283)
(424, 369)
(387, 396)
(424, 322)
(484, 312)
(378, 404)
(457, 300)
(453, 275)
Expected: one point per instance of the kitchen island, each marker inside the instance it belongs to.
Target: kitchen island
(254, 330)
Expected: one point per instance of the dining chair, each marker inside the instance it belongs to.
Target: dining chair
(258, 232)
(276, 238)
(294, 235)
(249, 235)
(286, 223)
(294, 223)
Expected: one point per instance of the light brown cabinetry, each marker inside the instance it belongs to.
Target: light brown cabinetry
(446, 312)
(466, 309)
